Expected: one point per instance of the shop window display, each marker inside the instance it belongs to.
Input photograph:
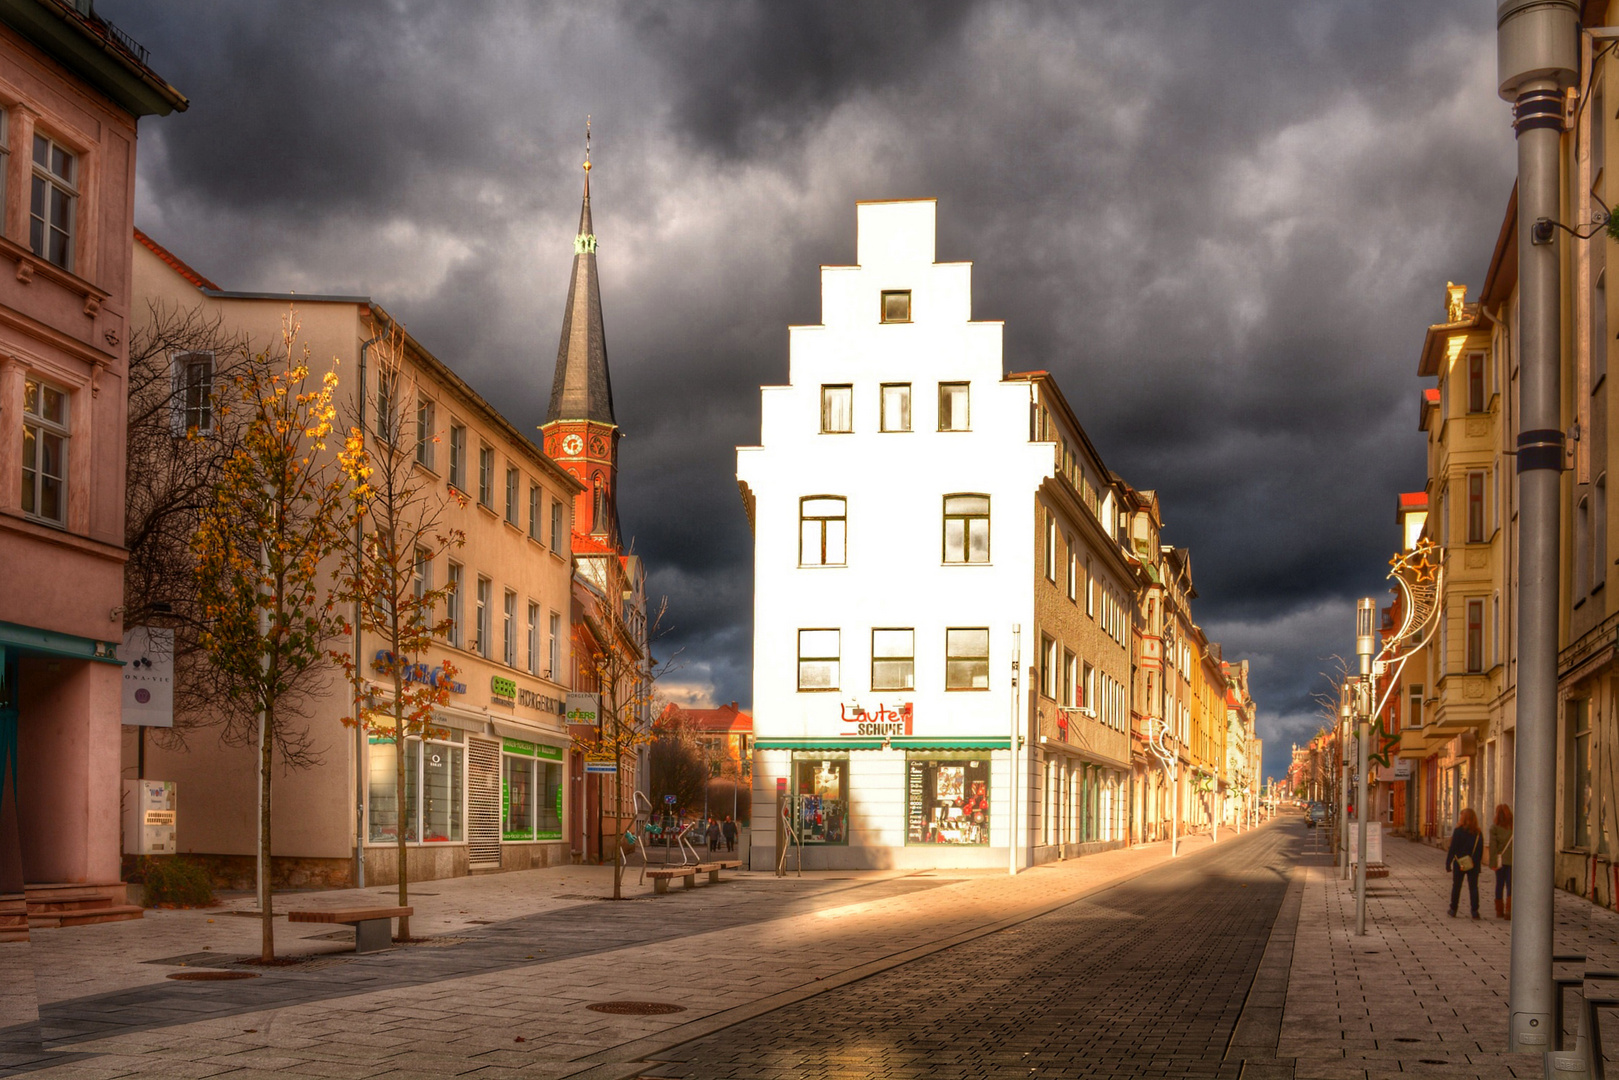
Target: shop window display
(947, 800)
(434, 780)
(821, 789)
(531, 791)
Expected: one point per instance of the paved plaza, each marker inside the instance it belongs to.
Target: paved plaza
(1236, 960)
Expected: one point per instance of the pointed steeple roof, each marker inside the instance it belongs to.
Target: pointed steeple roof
(582, 389)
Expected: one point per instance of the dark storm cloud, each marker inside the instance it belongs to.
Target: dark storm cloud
(1224, 227)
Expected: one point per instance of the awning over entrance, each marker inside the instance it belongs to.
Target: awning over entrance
(904, 742)
(31, 641)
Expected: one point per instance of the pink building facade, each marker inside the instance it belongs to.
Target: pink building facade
(71, 91)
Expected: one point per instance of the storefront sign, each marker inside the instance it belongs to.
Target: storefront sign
(883, 722)
(384, 662)
(545, 703)
(502, 691)
(528, 749)
(1402, 768)
(602, 768)
(148, 656)
(583, 708)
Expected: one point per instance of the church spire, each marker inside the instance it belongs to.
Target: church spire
(581, 389)
(581, 434)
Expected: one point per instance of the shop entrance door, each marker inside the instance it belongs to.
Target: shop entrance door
(483, 804)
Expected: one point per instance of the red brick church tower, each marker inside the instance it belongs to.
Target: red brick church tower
(580, 432)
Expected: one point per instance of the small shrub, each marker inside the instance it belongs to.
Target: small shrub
(176, 882)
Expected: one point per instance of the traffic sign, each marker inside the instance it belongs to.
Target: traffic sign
(670, 799)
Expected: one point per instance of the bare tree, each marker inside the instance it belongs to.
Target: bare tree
(181, 434)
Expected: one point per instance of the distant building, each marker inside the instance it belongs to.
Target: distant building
(724, 735)
(72, 88)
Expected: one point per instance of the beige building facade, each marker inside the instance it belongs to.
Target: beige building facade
(489, 791)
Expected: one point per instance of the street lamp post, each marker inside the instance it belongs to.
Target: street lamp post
(1365, 648)
(1538, 60)
(1346, 712)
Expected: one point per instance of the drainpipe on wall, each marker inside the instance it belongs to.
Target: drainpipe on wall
(359, 728)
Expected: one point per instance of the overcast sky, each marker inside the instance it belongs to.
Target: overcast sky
(1224, 227)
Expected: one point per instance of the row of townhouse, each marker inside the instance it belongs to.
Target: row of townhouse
(501, 783)
(1453, 703)
(540, 596)
(967, 630)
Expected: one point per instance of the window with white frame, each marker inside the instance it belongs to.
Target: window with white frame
(837, 409)
(534, 512)
(486, 475)
(818, 655)
(1087, 687)
(953, 407)
(481, 624)
(387, 417)
(893, 659)
(1048, 667)
(44, 452)
(553, 655)
(453, 581)
(966, 528)
(1051, 547)
(1070, 678)
(421, 581)
(1475, 634)
(509, 628)
(558, 540)
(54, 200)
(896, 407)
(514, 483)
(424, 433)
(1090, 588)
(822, 530)
(458, 457)
(533, 638)
(192, 374)
(1073, 570)
(966, 658)
(435, 776)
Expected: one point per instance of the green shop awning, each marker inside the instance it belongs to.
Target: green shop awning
(904, 742)
(32, 641)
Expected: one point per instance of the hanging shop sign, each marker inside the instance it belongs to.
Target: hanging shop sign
(385, 662)
(148, 656)
(1402, 768)
(883, 722)
(602, 768)
(583, 708)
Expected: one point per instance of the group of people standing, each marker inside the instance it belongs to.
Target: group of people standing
(1467, 854)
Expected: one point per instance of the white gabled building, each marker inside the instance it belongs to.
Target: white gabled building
(926, 526)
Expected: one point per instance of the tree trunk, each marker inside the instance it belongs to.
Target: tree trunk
(266, 912)
(399, 804)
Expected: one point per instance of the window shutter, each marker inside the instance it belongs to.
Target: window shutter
(177, 393)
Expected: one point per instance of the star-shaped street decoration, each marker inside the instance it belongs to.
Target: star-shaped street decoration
(1382, 747)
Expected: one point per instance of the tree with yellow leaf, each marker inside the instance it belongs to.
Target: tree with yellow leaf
(385, 575)
(278, 514)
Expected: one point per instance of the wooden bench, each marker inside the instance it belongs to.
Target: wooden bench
(712, 869)
(373, 927)
(660, 877)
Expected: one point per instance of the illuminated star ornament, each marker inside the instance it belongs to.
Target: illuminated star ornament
(1418, 577)
(1381, 749)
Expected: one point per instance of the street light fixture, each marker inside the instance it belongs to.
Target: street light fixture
(1365, 649)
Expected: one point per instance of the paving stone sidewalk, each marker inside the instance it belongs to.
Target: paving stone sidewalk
(1422, 993)
(509, 998)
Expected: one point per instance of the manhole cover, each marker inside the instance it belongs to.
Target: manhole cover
(211, 976)
(635, 1008)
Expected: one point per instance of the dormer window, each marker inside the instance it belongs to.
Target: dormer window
(896, 305)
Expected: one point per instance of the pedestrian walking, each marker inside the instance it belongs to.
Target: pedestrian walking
(1463, 859)
(1501, 860)
(728, 831)
(713, 833)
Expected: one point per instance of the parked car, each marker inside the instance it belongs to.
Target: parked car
(1315, 814)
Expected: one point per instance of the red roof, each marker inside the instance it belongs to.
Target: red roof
(175, 262)
(1431, 395)
(724, 718)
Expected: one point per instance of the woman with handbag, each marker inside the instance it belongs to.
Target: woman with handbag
(1463, 858)
(1501, 859)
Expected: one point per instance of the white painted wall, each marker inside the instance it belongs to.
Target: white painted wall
(894, 484)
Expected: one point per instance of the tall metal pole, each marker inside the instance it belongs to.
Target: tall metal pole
(1537, 59)
(1365, 646)
(1346, 719)
(1011, 753)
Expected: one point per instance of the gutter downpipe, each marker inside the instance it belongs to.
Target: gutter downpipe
(1538, 52)
(359, 728)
